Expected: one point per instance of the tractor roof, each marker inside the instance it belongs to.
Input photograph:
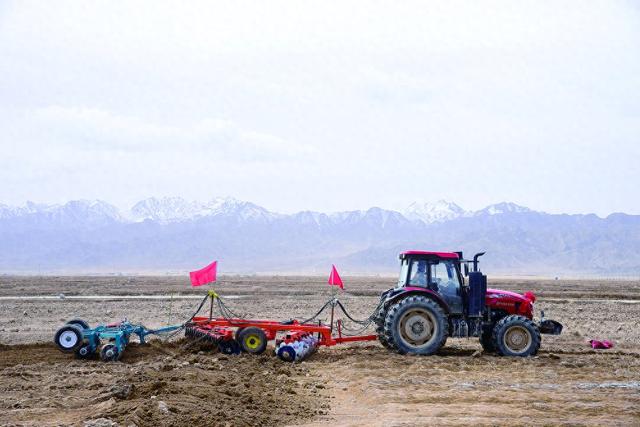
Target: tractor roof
(446, 255)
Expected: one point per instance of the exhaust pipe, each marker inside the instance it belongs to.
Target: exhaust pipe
(475, 260)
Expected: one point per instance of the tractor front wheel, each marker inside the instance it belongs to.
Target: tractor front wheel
(516, 336)
(417, 325)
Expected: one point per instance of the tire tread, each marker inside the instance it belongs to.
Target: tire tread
(395, 309)
(516, 318)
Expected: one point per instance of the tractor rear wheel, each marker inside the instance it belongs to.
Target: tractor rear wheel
(516, 336)
(417, 325)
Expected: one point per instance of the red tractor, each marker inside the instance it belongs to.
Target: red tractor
(432, 301)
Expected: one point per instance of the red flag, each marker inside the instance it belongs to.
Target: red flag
(204, 275)
(334, 278)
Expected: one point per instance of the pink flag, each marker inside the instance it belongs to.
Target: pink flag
(334, 278)
(204, 275)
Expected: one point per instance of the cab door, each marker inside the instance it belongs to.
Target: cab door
(444, 277)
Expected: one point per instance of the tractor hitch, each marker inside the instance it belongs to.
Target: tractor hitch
(550, 327)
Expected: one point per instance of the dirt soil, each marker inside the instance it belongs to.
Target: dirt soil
(153, 386)
(174, 383)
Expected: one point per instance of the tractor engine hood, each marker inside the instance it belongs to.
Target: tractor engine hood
(511, 302)
(514, 296)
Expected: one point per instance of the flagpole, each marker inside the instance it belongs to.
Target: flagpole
(334, 292)
(211, 308)
(333, 305)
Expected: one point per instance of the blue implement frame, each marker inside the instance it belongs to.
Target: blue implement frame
(118, 334)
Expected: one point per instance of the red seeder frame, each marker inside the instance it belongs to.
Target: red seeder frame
(222, 328)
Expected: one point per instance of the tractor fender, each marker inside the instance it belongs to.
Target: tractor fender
(410, 290)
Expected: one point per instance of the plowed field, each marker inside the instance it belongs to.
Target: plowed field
(175, 383)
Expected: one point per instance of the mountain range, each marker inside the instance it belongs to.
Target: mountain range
(174, 235)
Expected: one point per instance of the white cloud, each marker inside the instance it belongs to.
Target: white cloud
(92, 129)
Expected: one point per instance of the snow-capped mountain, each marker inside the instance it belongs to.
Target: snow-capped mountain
(75, 211)
(311, 218)
(93, 209)
(376, 217)
(176, 209)
(383, 218)
(230, 207)
(502, 208)
(29, 207)
(161, 234)
(166, 209)
(7, 211)
(439, 211)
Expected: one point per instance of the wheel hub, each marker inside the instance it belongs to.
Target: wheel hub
(517, 339)
(252, 342)
(417, 327)
(68, 339)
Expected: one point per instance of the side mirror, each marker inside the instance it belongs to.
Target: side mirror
(466, 269)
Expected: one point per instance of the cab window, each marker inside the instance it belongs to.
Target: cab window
(404, 270)
(418, 273)
(445, 277)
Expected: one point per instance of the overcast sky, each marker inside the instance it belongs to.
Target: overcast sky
(323, 106)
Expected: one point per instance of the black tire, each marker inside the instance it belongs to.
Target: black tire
(416, 325)
(252, 340)
(80, 323)
(237, 334)
(516, 335)
(85, 352)
(109, 353)
(379, 321)
(68, 338)
(486, 340)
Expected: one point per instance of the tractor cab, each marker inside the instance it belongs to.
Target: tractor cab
(438, 272)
